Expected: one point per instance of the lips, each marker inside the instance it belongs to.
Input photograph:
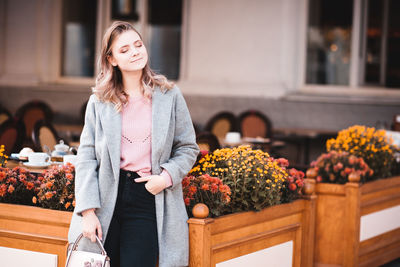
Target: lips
(136, 60)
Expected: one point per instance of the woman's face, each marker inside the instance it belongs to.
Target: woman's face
(128, 52)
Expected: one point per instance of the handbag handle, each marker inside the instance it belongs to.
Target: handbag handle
(98, 242)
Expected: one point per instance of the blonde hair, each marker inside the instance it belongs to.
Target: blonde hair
(109, 86)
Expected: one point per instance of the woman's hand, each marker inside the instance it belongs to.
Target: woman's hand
(91, 224)
(154, 183)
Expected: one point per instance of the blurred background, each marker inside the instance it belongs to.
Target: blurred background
(312, 67)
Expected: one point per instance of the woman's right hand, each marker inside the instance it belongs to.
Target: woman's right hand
(91, 225)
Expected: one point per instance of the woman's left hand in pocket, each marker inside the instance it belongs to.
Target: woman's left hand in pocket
(154, 183)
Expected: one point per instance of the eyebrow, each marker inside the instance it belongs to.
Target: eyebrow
(139, 40)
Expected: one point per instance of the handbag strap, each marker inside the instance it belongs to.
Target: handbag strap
(98, 242)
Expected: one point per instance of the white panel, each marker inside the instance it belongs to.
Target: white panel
(379, 222)
(11, 257)
(276, 256)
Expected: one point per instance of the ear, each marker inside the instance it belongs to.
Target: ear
(111, 60)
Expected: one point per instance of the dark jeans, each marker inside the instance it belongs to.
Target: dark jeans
(132, 237)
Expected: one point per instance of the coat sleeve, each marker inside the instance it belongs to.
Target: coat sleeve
(185, 149)
(87, 193)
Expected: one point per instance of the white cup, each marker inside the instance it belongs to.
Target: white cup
(71, 159)
(232, 138)
(38, 158)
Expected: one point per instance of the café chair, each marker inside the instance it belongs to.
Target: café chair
(207, 141)
(4, 115)
(253, 123)
(30, 113)
(44, 136)
(222, 123)
(12, 136)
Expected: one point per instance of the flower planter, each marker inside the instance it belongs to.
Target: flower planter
(282, 233)
(357, 224)
(35, 229)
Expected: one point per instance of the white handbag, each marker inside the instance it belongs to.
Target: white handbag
(78, 258)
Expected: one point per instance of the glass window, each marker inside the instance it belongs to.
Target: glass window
(165, 20)
(382, 40)
(392, 76)
(329, 42)
(374, 35)
(79, 35)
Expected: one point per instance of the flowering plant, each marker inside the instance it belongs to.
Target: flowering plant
(208, 190)
(335, 167)
(370, 144)
(56, 190)
(17, 186)
(255, 179)
(293, 185)
(3, 157)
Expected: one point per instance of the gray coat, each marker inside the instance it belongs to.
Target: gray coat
(174, 148)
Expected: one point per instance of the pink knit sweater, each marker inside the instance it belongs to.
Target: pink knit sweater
(136, 138)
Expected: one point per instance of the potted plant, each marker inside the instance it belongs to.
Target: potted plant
(35, 209)
(355, 190)
(256, 207)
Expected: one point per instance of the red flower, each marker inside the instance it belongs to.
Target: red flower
(22, 177)
(69, 176)
(187, 201)
(3, 190)
(283, 162)
(192, 189)
(29, 185)
(292, 187)
(319, 179)
(11, 189)
(348, 170)
(49, 185)
(205, 187)
(185, 181)
(2, 175)
(352, 159)
(299, 183)
(48, 195)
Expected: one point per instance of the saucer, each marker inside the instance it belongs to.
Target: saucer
(15, 156)
(37, 165)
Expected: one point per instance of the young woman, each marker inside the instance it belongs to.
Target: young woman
(137, 144)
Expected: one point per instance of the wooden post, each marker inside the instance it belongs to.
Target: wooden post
(352, 224)
(199, 242)
(307, 247)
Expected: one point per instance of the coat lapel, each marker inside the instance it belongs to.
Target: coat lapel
(161, 115)
(111, 122)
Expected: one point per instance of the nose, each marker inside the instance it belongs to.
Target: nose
(134, 50)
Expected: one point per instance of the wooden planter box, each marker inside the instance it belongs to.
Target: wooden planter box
(35, 229)
(283, 234)
(357, 224)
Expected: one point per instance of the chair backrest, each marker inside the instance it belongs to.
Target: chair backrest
(207, 141)
(222, 123)
(4, 115)
(253, 123)
(44, 134)
(11, 136)
(32, 112)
